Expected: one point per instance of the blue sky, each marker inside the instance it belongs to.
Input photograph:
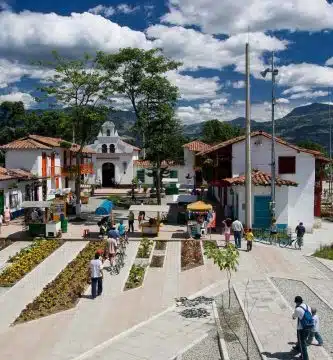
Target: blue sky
(207, 36)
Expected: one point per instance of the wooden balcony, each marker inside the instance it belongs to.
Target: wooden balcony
(71, 171)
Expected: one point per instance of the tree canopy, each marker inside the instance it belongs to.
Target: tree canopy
(215, 131)
(308, 144)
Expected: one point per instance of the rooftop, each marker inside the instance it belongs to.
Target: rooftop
(147, 164)
(259, 178)
(197, 146)
(11, 174)
(34, 142)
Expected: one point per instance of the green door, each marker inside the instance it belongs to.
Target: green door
(2, 201)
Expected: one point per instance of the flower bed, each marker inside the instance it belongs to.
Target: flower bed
(325, 252)
(160, 245)
(4, 243)
(191, 254)
(135, 277)
(145, 248)
(65, 290)
(157, 261)
(27, 259)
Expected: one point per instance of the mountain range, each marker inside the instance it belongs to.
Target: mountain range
(310, 122)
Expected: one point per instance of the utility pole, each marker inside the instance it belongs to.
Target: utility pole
(248, 167)
(274, 72)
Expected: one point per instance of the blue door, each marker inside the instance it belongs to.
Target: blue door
(262, 214)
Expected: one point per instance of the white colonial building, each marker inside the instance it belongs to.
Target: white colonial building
(114, 158)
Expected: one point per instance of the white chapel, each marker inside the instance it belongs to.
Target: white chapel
(114, 158)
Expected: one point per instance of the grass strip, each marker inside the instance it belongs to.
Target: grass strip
(325, 252)
(135, 277)
(4, 243)
(65, 290)
(26, 260)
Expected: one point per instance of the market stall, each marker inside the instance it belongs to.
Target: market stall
(39, 219)
(152, 226)
(197, 215)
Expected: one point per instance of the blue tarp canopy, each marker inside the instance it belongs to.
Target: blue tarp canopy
(104, 208)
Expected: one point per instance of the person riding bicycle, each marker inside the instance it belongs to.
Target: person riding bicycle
(274, 231)
(121, 228)
(300, 231)
(111, 249)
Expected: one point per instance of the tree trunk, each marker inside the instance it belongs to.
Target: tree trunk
(229, 289)
(158, 183)
(78, 185)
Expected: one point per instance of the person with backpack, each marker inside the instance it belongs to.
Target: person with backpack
(305, 324)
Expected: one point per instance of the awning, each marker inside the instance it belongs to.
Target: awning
(150, 208)
(199, 206)
(36, 204)
(105, 208)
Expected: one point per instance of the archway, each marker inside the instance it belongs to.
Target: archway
(108, 175)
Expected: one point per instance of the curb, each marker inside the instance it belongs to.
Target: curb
(222, 345)
(251, 327)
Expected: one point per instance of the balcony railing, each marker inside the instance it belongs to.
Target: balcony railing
(72, 170)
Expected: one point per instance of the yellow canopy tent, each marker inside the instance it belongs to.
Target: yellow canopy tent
(199, 206)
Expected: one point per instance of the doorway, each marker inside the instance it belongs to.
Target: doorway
(108, 175)
(262, 214)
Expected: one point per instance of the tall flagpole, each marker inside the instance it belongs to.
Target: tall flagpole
(248, 167)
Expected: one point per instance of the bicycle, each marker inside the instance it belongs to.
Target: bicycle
(264, 236)
(289, 240)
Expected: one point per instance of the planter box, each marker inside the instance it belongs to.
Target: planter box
(150, 230)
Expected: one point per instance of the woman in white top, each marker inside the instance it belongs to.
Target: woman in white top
(227, 230)
(1, 221)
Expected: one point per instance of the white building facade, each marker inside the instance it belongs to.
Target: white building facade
(113, 159)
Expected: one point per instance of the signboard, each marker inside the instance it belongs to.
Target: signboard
(58, 208)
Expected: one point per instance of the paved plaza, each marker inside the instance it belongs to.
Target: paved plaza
(144, 323)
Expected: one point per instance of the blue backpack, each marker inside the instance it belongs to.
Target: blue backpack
(307, 320)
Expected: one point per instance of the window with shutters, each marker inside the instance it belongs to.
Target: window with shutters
(140, 174)
(287, 165)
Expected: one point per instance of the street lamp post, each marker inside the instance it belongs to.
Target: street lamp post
(274, 72)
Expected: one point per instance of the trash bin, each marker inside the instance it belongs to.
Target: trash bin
(64, 225)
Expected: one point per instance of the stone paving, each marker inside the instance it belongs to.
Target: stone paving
(270, 315)
(120, 311)
(14, 300)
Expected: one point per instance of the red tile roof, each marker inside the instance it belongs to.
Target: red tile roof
(147, 164)
(259, 178)
(237, 139)
(9, 174)
(197, 146)
(32, 142)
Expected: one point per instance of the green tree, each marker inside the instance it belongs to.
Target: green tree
(308, 144)
(226, 259)
(215, 131)
(84, 89)
(138, 74)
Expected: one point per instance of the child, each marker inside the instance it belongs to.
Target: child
(314, 333)
(249, 237)
(227, 230)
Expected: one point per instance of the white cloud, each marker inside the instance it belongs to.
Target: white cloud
(197, 50)
(295, 89)
(234, 16)
(26, 98)
(282, 101)
(127, 9)
(238, 84)
(309, 94)
(305, 75)
(34, 35)
(329, 62)
(192, 88)
(13, 71)
(225, 112)
(105, 11)
(4, 6)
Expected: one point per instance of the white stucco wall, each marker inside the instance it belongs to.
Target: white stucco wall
(20, 191)
(30, 160)
(300, 198)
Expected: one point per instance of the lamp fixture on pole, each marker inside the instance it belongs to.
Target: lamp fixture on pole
(274, 72)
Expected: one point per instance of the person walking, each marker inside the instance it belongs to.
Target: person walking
(96, 276)
(238, 231)
(249, 237)
(227, 230)
(300, 231)
(131, 221)
(314, 333)
(7, 216)
(1, 221)
(111, 246)
(304, 325)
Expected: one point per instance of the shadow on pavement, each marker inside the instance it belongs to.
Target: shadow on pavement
(280, 355)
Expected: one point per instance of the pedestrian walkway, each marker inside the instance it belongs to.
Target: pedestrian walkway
(271, 317)
(21, 294)
(94, 312)
(11, 250)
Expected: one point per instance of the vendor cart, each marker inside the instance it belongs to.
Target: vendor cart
(197, 214)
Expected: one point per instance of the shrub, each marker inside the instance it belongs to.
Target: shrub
(160, 245)
(115, 199)
(135, 277)
(325, 252)
(64, 291)
(145, 248)
(26, 260)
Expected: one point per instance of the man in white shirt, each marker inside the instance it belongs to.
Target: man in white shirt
(96, 275)
(302, 334)
(238, 230)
